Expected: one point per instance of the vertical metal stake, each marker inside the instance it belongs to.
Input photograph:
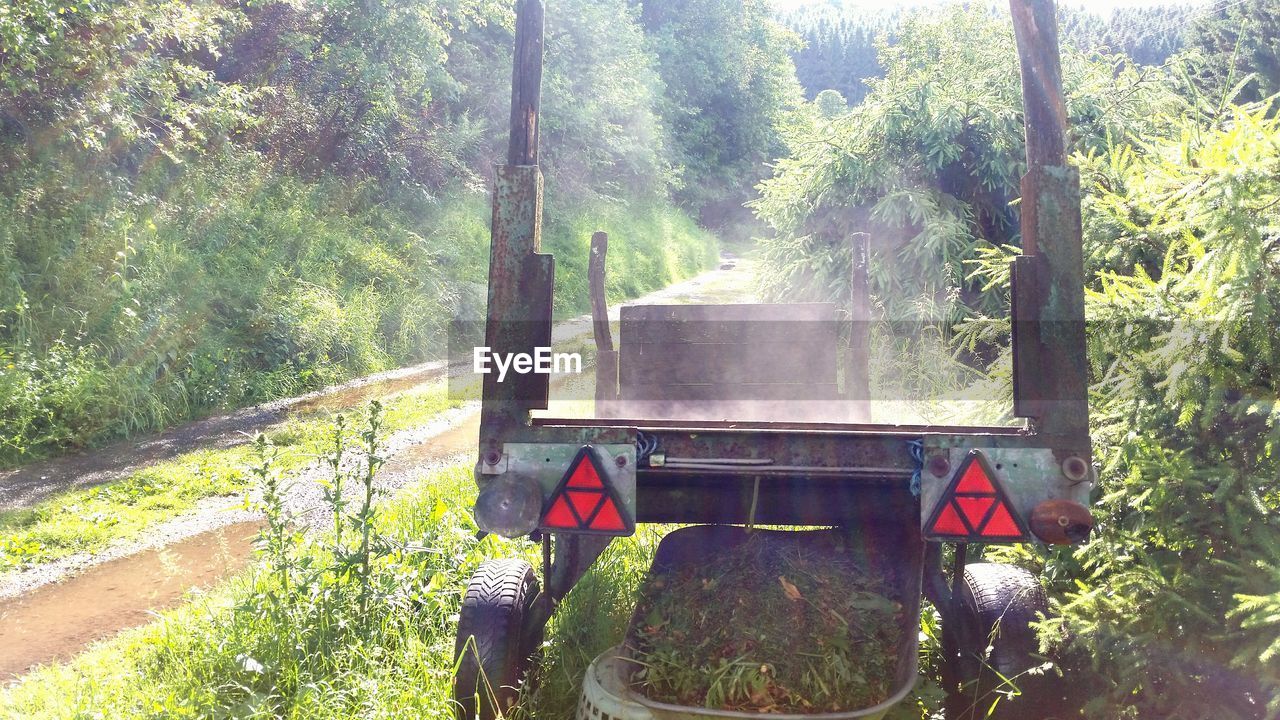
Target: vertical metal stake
(957, 577)
(755, 500)
(546, 558)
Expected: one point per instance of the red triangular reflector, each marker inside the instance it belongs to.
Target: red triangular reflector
(975, 480)
(608, 518)
(585, 476)
(949, 523)
(584, 503)
(1001, 524)
(585, 500)
(560, 516)
(974, 508)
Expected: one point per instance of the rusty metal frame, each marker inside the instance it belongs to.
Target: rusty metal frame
(1051, 367)
(817, 473)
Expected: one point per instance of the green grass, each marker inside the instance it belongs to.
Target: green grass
(228, 283)
(248, 650)
(90, 520)
(238, 652)
(233, 653)
(650, 246)
(590, 620)
(759, 628)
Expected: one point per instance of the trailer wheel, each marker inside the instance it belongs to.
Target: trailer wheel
(495, 644)
(992, 645)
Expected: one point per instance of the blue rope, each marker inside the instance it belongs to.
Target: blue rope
(645, 446)
(916, 448)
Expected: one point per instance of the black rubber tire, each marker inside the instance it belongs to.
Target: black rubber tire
(996, 605)
(495, 612)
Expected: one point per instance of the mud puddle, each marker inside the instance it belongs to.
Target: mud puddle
(451, 443)
(360, 394)
(57, 621)
(37, 481)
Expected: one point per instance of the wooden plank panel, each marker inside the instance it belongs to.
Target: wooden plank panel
(727, 364)
(791, 409)
(744, 362)
(731, 331)
(731, 392)
(730, 313)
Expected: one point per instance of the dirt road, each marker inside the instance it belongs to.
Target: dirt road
(50, 612)
(29, 484)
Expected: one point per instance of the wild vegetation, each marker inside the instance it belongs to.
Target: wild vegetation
(706, 633)
(356, 622)
(842, 42)
(728, 82)
(91, 519)
(1170, 609)
(1235, 43)
(1183, 297)
(929, 164)
(205, 204)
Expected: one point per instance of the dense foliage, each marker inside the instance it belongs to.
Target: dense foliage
(1170, 610)
(842, 41)
(728, 82)
(928, 164)
(1233, 43)
(1182, 240)
(206, 204)
(1148, 35)
(839, 51)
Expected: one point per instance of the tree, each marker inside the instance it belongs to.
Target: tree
(601, 99)
(728, 81)
(929, 164)
(841, 42)
(839, 50)
(1233, 42)
(1147, 35)
(1172, 603)
(211, 202)
(354, 86)
(110, 79)
(830, 103)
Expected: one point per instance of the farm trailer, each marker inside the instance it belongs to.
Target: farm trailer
(695, 426)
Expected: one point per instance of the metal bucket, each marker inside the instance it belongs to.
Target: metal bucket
(605, 696)
(893, 550)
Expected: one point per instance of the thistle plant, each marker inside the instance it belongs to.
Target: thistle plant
(275, 540)
(333, 489)
(363, 520)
